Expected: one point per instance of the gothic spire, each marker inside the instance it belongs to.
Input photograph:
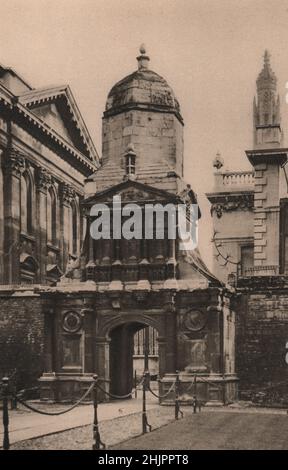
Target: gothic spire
(266, 108)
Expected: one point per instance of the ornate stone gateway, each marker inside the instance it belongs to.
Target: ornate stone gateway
(90, 331)
(121, 285)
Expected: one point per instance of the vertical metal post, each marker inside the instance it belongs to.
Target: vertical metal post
(224, 390)
(144, 415)
(177, 395)
(5, 393)
(146, 348)
(97, 443)
(195, 395)
(145, 424)
(135, 383)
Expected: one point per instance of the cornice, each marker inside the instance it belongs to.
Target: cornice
(231, 202)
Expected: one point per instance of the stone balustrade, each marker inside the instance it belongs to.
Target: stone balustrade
(234, 180)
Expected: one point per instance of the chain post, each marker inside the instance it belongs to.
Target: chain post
(97, 443)
(135, 382)
(194, 404)
(5, 393)
(177, 395)
(145, 424)
(224, 390)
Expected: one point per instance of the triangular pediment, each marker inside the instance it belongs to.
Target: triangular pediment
(131, 191)
(50, 114)
(57, 108)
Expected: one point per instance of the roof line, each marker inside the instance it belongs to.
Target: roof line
(9, 69)
(45, 93)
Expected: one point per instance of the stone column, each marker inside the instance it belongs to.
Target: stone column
(1, 219)
(162, 355)
(66, 196)
(102, 362)
(43, 180)
(13, 166)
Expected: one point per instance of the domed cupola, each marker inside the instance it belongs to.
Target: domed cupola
(142, 89)
(142, 111)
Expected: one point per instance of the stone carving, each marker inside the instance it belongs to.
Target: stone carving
(44, 179)
(72, 322)
(232, 203)
(187, 195)
(194, 320)
(67, 193)
(15, 162)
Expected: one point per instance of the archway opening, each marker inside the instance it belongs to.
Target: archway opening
(133, 348)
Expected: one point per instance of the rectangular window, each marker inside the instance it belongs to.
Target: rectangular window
(247, 260)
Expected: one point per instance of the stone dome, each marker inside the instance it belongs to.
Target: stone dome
(142, 89)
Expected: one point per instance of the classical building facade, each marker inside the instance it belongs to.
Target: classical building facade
(46, 152)
(249, 210)
(120, 286)
(45, 155)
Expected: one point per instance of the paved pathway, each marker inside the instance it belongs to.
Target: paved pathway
(27, 425)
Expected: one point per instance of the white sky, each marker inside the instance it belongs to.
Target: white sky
(210, 52)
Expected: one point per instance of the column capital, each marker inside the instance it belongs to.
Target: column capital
(14, 162)
(43, 179)
(67, 194)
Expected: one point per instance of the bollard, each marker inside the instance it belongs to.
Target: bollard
(194, 402)
(145, 424)
(135, 383)
(177, 384)
(224, 390)
(5, 393)
(97, 443)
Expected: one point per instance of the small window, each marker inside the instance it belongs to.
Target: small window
(130, 164)
(247, 260)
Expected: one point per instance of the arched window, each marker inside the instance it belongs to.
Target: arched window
(26, 204)
(73, 232)
(130, 164)
(130, 160)
(51, 217)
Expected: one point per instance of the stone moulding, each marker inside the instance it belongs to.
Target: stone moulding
(231, 202)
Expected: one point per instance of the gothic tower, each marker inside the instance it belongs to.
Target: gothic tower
(266, 109)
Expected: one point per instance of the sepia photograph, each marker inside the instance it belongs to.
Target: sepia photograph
(143, 228)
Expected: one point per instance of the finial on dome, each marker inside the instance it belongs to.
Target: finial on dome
(143, 59)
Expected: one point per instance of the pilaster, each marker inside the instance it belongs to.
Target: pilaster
(14, 164)
(43, 180)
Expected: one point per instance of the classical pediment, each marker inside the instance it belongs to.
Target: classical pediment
(57, 108)
(131, 191)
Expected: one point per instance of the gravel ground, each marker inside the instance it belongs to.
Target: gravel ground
(112, 432)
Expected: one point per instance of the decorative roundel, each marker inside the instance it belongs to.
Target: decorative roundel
(72, 322)
(194, 320)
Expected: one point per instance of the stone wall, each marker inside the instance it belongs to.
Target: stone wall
(21, 336)
(261, 333)
(156, 137)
